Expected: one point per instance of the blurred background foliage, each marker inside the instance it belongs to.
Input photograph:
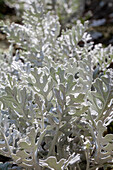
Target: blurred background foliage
(98, 12)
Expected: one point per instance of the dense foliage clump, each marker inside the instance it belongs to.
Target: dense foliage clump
(56, 95)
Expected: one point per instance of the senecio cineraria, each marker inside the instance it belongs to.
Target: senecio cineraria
(56, 96)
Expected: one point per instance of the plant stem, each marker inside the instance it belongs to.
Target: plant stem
(87, 158)
(78, 167)
(10, 152)
(53, 142)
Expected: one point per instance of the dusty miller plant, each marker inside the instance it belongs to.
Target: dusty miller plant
(56, 95)
(67, 10)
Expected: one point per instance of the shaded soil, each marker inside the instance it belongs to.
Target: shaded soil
(6, 10)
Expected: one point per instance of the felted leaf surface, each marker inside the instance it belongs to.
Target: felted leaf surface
(27, 149)
(104, 145)
(101, 98)
(85, 74)
(51, 162)
(45, 108)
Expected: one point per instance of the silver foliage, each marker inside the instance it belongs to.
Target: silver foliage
(54, 111)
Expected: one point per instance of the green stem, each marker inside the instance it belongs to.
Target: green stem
(87, 158)
(35, 160)
(78, 167)
(5, 138)
(53, 142)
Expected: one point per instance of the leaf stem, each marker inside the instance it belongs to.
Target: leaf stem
(10, 152)
(78, 167)
(53, 142)
(87, 158)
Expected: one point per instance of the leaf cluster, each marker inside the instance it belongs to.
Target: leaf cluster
(55, 107)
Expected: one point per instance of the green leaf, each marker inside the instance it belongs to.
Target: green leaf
(101, 98)
(5, 166)
(104, 145)
(51, 162)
